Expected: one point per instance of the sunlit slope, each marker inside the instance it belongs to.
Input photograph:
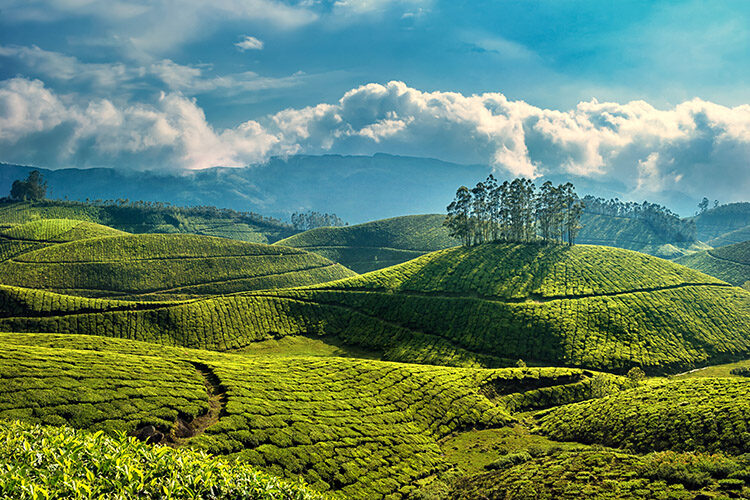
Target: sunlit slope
(134, 265)
(152, 218)
(704, 414)
(16, 239)
(358, 428)
(490, 305)
(730, 263)
(375, 245)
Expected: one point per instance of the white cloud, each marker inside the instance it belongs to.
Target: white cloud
(249, 43)
(695, 147)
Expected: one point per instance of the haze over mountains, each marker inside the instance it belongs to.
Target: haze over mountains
(356, 188)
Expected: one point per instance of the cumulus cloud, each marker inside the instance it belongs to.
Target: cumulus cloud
(695, 147)
(249, 43)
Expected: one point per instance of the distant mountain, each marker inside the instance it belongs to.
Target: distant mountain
(356, 188)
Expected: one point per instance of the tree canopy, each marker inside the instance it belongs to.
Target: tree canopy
(33, 188)
(515, 211)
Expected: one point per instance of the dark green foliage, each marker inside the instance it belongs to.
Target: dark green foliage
(34, 188)
(57, 462)
(131, 265)
(703, 414)
(730, 263)
(302, 221)
(378, 244)
(715, 222)
(606, 475)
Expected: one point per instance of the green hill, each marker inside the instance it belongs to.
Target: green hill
(160, 264)
(490, 305)
(730, 263)
(703, 414)
(375, 245)
(716, 222)
(736, 236)
(152, 218)
(16, 239)
(359, 428)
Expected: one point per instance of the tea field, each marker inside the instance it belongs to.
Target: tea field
(730, 263)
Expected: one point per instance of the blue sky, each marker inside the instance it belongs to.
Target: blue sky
(180, 84)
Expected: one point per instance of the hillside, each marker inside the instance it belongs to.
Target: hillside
(160, 264)
(375, 245)
(730, 263)
(359, 428)
(16, 239)
(713, 224)
(490, 305)
(151, 218)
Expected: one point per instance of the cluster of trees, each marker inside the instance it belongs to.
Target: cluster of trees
(32, 189)
(662, 220)
(310, 220)
(703, 205)
(515, 211)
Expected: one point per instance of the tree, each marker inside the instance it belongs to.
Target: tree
(34, 188)
(458, 220)
(702, 206)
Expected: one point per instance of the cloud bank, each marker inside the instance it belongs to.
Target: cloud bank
(695, 147)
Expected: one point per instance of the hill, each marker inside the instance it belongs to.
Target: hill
(632, 234)
(736, 236)
(672, 415)
(489, 305)
(16, 239)
(359, 428)
(375, 245)
(139, 217)
(730, 263)
(716, 222)
(160, 264)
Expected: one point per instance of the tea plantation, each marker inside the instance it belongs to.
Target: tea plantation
(151, 264)
(701, 414)
(375, 245)
(730, 263)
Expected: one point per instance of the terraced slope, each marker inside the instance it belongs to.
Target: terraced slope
(705, 414)
(152, 218)
(151, 264)
(375, 245)
(362, 429)
(16, 239)
(589, 306)
(730, 263)
(600, 475)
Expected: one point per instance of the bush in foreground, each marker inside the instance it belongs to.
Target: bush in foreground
(57, 462)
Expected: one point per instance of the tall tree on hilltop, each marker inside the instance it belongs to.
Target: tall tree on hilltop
(34, 188)
(458, 220)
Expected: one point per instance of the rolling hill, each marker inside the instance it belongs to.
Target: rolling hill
(375, 245)
(489, 305)
(160, 264)
(142, 217)
(358, 428)
(730, 263)
(714, 224)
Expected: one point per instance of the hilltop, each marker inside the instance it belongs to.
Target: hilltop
(730, 263)
(161, 265)
(488, 305)
(375, 245)
(714, 224)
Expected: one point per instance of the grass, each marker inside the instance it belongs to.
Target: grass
(58, 462)
(151, 264)
(375, 245)
(730, 263)
(696, 414)
(359, 428)
(595, 307)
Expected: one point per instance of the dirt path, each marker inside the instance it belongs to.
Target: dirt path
(183, 430)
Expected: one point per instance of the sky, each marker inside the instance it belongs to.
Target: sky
(650, 93)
